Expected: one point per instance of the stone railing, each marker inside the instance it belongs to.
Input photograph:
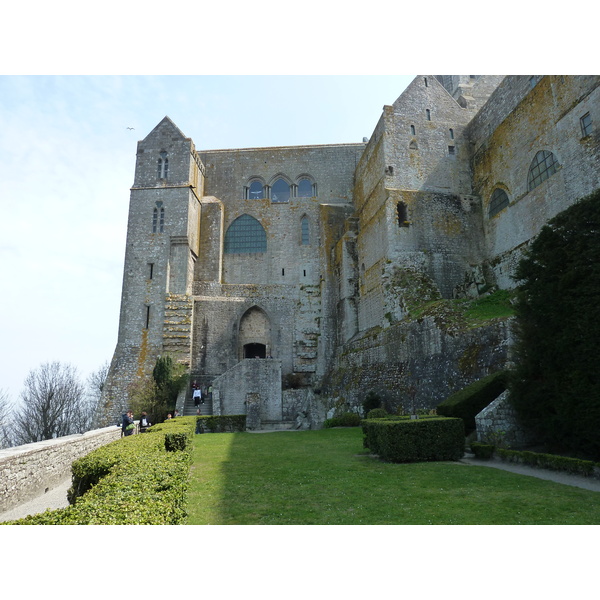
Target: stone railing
(29, 470)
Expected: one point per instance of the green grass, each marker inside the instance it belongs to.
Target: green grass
(325, 477)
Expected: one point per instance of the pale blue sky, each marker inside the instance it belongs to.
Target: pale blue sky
(67, 166)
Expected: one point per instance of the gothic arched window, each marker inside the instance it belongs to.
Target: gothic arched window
(542, 166)
(280, 191)
(158, 218)
(245, 236)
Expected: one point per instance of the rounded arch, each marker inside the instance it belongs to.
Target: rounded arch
(543, 165)
(255, 188)
(305, 186)
(254, 333)
(245, 235)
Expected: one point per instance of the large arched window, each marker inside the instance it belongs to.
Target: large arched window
(542, 166)
(498, 202)
(245, 236)
(280, 191)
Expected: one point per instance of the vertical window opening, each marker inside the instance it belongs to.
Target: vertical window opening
(428, 113)
(150, 270)
(304, 272)
(426, 84)
(586, 124)
(402, 214)
(147, 323)
(283, 272)
(451, 149)
(412, 130)
(161, 224)
(305, 231)
(154, 220)
(163, 166)
(451, 134)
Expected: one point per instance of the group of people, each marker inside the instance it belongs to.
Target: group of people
(128, 424)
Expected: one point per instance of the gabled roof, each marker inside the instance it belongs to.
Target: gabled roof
(166, 123)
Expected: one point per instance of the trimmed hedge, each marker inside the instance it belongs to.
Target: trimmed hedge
(415, 440)
(471, 400)
(347, 419)
(554, 462)
(221, 424)
(483, 451)
(132, 481)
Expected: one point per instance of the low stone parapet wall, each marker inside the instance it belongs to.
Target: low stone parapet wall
(28, 471)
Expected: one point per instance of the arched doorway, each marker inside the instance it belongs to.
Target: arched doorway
(254, 334)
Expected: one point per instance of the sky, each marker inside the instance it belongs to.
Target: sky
(68, 165)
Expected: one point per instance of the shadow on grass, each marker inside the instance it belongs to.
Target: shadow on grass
(325, 477)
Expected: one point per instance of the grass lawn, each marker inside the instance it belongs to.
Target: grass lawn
(325, 477)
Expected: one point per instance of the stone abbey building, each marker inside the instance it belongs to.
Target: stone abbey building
(282, 277)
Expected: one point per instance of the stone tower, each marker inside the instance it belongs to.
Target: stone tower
(160, 255)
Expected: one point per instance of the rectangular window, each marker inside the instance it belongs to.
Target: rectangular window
(586, 124)
(147, 317)
(451, 150)
(451, 134)
(428, 113)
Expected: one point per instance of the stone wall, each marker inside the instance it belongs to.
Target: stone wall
(29, 470)
(498, 423)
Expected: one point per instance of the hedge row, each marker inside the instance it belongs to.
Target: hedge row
(137, 480)
(540, 460)
(347, 419)
(548, 461)
(471, 400)
(415, 440)
(221, 424)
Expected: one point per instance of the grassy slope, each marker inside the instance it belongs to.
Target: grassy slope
(326, 477)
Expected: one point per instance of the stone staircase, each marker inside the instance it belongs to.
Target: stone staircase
(190, 410)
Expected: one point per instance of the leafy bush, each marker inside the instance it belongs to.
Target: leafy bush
(347, 419)
(415, 440)
(131, 481)
(377, 413)
(556, 388)
(471, 400)
(221, 423)
(483, 451)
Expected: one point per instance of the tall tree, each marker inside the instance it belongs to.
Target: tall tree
(5, 420)
(94, 386)
(53, 404)
(556, 387)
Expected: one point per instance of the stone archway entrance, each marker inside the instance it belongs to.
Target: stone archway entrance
(255, 351)
(254, 334)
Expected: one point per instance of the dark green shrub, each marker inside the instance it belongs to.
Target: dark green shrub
(377, 413)
(556, 388)
(471, 400)
(221, 424)
(483, 451)
(347, 419)
(415, 440)
(371, 401)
